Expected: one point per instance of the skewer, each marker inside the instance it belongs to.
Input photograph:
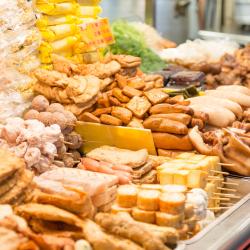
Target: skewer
(220, 198)
(58, 161)
(218, 208)
(76, 162)
(219, 172)
(226, 164)
(230, 183)
(227, 189)
(228, 195)
(226, 204)
(68, 143)
(212, 177)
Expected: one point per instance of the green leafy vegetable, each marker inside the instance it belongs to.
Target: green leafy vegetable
(130, 41)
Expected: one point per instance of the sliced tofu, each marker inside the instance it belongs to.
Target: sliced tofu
(197, 179)
(117, 209)
(174, 188)
(127, 196)
(169, 220)
(148, 200)
(172, 203)
(166, 176)
(143, 216)
(181, 177)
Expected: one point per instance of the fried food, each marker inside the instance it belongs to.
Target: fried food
(131, 92)
(156, 96)
(130, 229)
(121, 156)
(100, 111)
(139, 106)
(127, 61)
(88, 117)
(9, 183)
(125, 115)
(99, 69)
(48, 213)
(23, 182)
(110, 120)
(9, 164)
(117, 93)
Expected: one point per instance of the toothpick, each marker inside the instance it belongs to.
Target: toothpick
(227, 189)
(219, 172)
(230, 183)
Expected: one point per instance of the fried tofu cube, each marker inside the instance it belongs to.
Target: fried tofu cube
(180, 177)
(139, 106)
(197, 179)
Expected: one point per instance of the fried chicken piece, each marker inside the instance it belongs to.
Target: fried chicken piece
(99, 69)
(48, 213)
(52, 78)
(63, 65)
(127, 61)
(118, 225)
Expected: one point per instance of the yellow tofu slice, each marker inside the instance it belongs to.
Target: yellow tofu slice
(166, 176)
(180, 177)
(197, 179)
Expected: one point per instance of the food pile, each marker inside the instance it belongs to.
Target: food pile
(19, 41)
(234, 69)
(71, 28)
(167, 206)
(45, 138)
(128, 166)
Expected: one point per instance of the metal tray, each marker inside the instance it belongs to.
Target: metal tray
(229, 231)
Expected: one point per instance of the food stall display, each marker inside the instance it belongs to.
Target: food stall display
(56, 195)
(72, 29)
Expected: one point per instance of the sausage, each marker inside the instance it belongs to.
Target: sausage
(166, 108)
(170, 141)
(165, 125)
(179, 117)
(240, 98)
(215, 101)
(237, 88)
(218, 116)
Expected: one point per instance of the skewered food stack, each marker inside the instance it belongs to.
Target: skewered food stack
(67, 147)
(167, 206)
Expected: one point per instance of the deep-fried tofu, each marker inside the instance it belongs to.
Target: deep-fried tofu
(156, 96)
(139, 106)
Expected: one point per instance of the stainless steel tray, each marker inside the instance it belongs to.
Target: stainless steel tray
(227, 232)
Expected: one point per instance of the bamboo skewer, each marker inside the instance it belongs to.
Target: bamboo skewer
(227, 195)
(226, 204)
(227, 189)
(218, 208)
(220, 198)
(226, 164)
(219, 172)
(68, 143)
(230, 183)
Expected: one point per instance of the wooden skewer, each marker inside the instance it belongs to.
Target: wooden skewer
(230, 183)
(77, 162)
(226, 164)
(217, 208)
(58, 161)
(68, 153)
(220, 198)
(68, 143)
(226, 204)
(219, 172)
(227, 189)
(228, 195)
(216, 178)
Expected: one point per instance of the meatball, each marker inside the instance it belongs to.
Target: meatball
(40, 103)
